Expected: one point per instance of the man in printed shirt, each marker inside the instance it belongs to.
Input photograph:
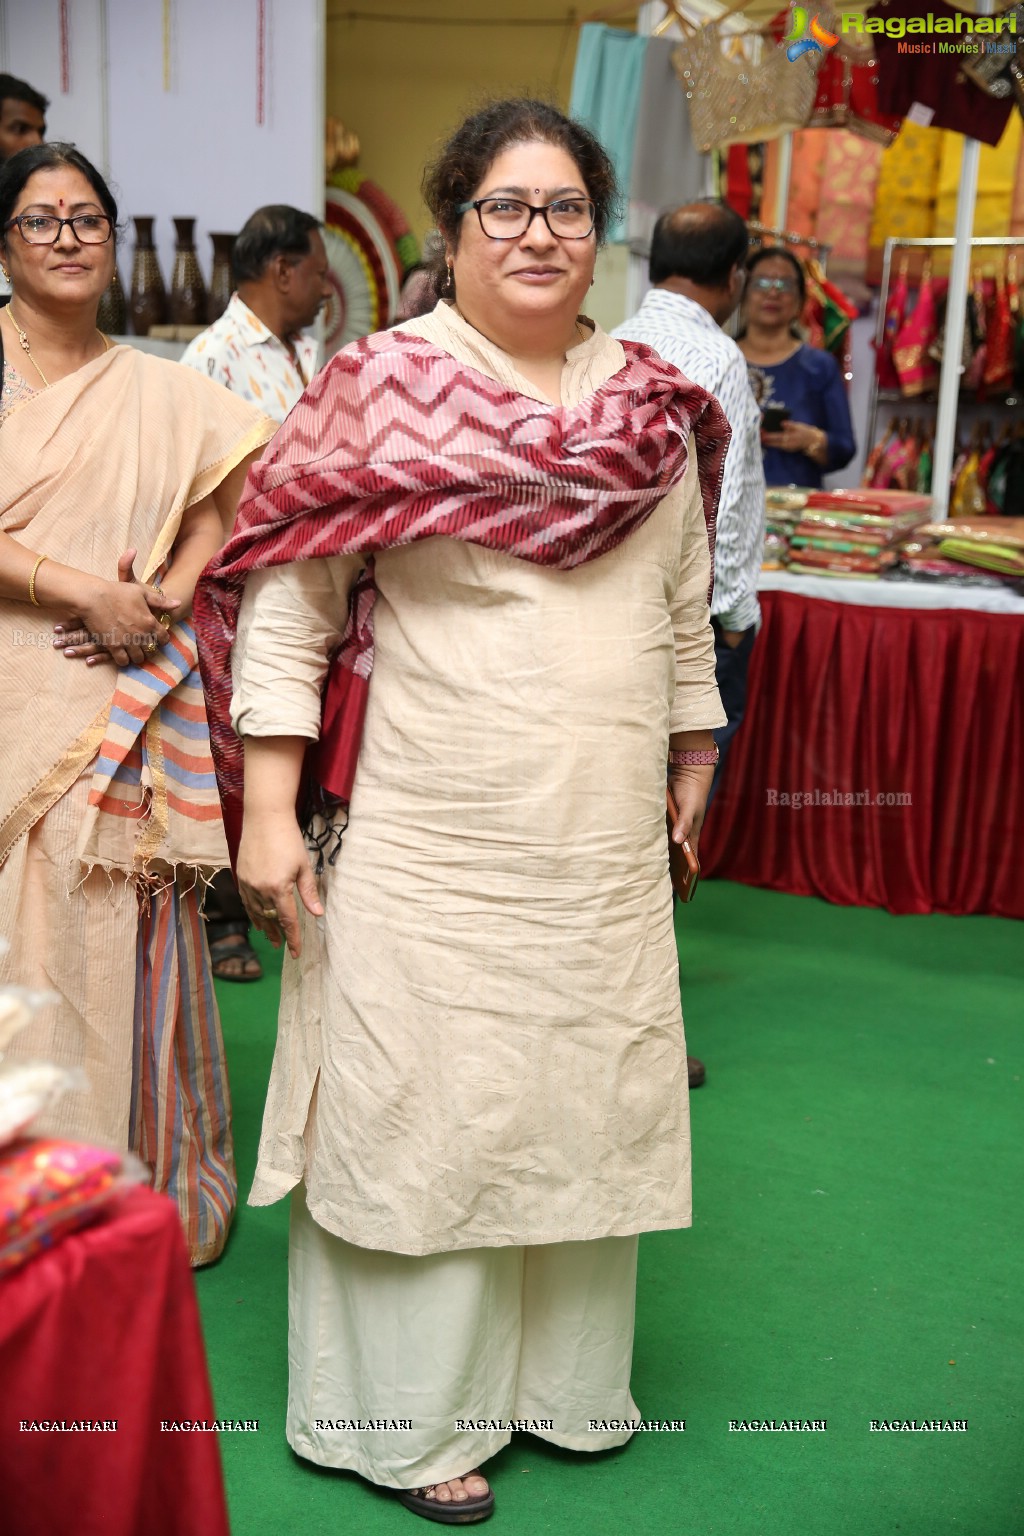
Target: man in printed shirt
(257, 348)
(697, 267)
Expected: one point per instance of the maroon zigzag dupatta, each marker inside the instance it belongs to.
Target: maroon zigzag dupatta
(396, 441)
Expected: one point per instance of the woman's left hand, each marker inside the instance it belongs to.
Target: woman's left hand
(78, 644)
(690, 789)
(793, 437)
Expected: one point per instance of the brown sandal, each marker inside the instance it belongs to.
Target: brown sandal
(455, 1511)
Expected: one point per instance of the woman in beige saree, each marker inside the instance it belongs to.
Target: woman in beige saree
(120, 473)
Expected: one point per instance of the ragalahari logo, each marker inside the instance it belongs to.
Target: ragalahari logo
(800, 43)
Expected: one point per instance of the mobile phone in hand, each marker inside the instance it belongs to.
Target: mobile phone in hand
(683, 863)
(774, 418)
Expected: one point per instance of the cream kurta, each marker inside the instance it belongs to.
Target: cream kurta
(491, 999)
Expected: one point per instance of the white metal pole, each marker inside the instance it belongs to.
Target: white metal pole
(785, 177)
(956, 310)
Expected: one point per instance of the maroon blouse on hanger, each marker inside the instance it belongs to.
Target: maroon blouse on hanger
(935, 81)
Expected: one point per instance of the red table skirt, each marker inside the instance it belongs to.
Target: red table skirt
(847, 701)
(105, 1326)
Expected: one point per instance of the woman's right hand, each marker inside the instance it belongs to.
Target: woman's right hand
(272, 865)
(119, 618)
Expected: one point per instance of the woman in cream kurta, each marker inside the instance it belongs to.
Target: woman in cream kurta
(490, 1001)
(479, 1092)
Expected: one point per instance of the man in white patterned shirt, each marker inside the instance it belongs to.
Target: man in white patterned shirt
(697, 267)
(257, 349)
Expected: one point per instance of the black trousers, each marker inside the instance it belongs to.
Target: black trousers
(731, 666)
(223, 906)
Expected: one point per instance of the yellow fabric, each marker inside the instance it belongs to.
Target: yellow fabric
(919, 182)
(908, 182)
(997, 175)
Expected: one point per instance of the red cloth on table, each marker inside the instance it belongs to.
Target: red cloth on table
(851, 698)
(105, 1326)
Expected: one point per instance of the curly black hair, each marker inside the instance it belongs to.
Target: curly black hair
(472, 149)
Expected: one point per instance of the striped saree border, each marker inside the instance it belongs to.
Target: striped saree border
(180, 1119)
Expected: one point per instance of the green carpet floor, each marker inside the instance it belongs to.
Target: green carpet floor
(855, 1255)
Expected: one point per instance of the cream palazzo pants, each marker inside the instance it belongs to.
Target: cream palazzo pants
(485, 1333)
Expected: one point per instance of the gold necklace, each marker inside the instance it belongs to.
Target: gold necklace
(26, 348)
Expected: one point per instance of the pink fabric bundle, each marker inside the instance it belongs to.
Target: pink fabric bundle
(47, 1189)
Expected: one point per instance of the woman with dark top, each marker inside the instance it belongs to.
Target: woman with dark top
(816, 438)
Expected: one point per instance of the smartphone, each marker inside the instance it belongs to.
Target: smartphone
(683, 863)
(773, 417)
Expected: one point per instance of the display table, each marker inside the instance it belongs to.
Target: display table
(881, 760)
(105, 1327)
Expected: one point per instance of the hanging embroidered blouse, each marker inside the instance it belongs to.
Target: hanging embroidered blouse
(847, 94)
(895, 318)
(742, 88)
(999, 364)
(915, 365)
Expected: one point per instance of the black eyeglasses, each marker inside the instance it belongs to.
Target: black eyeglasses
(506, 218)
(45, 228)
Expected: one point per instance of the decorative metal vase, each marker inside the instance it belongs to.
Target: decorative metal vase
(188, 291)
(148, 304)
(112, 316)
(222, 283)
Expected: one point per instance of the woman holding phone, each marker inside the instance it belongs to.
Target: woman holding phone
(807, 430)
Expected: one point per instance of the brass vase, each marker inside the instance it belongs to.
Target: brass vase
(188, 291)
(112, 315)
(222, 283)
(148, 304)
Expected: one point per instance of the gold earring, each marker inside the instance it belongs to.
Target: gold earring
(6, 275)
(449, 281)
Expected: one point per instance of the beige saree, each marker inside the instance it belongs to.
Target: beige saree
(108, 817)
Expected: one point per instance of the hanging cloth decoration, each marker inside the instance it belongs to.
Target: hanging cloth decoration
(1017, 312)
(836, 311)
(991, 71)
(65, 49)
(974, 373)
(742, 88)
(167, 44)
(916, 367)
(847, 94)
(998, 375)
(261, 62)
(895, 319)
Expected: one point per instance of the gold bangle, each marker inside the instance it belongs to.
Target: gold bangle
(32, 582)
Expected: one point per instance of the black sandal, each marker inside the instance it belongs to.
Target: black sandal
(222, 939)
(453, 1512)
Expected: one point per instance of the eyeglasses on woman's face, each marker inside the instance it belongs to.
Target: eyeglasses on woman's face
(772, 285)
(506, 218)
(45, 228)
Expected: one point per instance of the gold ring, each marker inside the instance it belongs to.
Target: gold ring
(268, 911)
(150, 647)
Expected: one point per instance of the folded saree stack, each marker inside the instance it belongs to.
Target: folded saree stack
(784, 508)
(986, 551)
(854, 533)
